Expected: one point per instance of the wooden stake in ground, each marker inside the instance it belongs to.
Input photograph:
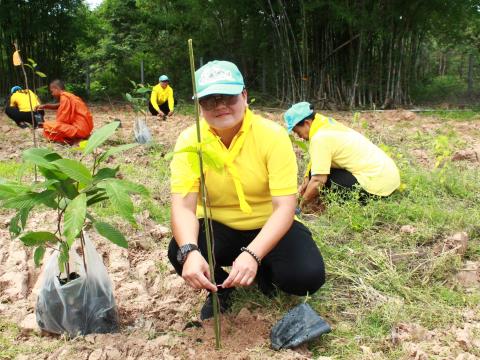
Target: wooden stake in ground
(203, 193)
(17, 61)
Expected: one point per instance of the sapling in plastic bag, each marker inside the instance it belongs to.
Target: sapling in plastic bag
(142, 132)
(84, 304)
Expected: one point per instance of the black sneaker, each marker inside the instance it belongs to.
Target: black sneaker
(224, 298)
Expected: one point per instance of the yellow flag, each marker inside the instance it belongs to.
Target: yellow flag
(17, 60)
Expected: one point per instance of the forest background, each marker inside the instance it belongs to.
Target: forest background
(334, 53)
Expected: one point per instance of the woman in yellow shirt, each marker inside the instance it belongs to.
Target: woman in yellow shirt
(340, 155)
(162, 102)
(252, 201)
(19, 106)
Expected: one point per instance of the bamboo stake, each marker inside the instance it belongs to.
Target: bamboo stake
(203, 193)
(31, 108)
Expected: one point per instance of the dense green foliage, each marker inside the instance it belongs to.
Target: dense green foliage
(71, 189)
(331, 52)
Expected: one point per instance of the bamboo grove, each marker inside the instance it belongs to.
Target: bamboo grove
(335, 53)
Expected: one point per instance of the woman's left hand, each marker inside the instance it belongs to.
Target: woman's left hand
(244, 270)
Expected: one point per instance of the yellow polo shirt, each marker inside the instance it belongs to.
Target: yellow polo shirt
(160, 95)
(20, 100)
(263, 162)
(333, 145)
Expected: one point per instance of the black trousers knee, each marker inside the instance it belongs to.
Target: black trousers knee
(23, 116)
(164, 107)
(295, 265)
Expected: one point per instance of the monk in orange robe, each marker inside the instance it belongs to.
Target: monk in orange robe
(74, 121)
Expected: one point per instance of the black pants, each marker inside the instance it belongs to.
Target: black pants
(341, 177)
(164, 108)
(343, 182)
(21, 117)
(295, 265)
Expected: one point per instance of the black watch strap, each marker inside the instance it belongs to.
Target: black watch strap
(184, 250)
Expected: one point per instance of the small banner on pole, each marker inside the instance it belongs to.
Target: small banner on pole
(17, 60)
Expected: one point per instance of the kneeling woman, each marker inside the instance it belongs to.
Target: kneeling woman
(252, 202)
(340, 155)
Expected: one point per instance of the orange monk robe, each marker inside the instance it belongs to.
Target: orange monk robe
(73, 121)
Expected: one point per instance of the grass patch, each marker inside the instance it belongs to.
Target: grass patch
(453, 115)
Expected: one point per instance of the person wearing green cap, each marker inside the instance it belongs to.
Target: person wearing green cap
(251, 200)
(19, 105)
(341, 156)
(162, 102)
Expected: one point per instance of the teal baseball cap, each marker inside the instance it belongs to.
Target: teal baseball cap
(297, 113)
(163, 78)
(218, 77)
(15, 89)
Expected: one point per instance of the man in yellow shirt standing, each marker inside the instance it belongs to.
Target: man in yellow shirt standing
(162, 102)
(340, 155)
(19, 107)
(251, 200)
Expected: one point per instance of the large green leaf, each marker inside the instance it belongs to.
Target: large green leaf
(99, 136)
(37, 157)
(10, 190)
(74, 169)
(18, 222)
(111, 233)
(74, 218)
(38, 255)
(35, 238)
(115, 150)
(31, 199)
(67, 188)
(119, 198)
(131, 187)
(105, 173)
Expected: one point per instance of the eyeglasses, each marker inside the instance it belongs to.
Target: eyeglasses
(212, 101)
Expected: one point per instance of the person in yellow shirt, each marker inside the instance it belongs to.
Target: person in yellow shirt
(251, 200)
(19, 105)
(162, 102)
(341, 156)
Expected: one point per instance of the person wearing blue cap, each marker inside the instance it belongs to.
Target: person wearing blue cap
(162, 102)
(251, 200)
(341, 156)
(19, 105)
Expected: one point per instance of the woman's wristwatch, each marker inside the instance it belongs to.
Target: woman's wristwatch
(184, 250)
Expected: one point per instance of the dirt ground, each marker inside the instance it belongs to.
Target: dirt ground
(157, 310)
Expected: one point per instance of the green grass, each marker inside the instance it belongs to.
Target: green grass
(454, 115)
(11, 346)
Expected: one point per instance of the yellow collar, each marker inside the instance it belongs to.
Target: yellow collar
(233, 151)
(319, 122)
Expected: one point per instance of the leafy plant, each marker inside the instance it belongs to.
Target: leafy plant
(137, 97)
(71, 189)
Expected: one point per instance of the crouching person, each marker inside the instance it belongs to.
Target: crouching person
(74, 121)
(341, 159)
(252, 202)
(19, 107)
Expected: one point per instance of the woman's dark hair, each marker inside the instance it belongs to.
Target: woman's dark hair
(309, 117)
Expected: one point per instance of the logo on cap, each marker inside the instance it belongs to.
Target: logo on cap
(215, 74)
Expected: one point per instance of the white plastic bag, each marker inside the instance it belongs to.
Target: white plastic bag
(142, 132)
(82, 306)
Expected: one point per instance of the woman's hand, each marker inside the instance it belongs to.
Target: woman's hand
(244, 270)
(303, 186)
(196, 272)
